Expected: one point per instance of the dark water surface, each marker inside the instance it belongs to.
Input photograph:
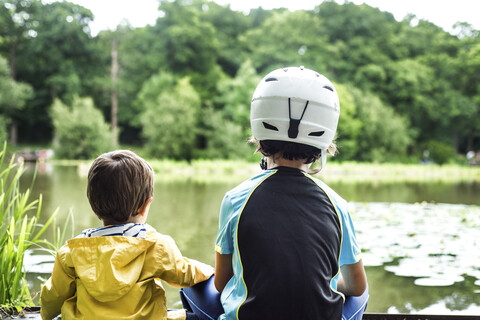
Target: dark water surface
(390, 220)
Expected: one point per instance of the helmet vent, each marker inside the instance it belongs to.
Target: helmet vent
(271, 79)
(328, 88)
(316, 133)
(269, 126)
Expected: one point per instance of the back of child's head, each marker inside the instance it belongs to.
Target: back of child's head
(119, 183)
(294, 113)
(291, 150)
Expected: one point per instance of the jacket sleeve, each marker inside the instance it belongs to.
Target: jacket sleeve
(58, 288)
(179, 271)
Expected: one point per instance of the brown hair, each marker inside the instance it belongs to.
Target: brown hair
(119, 183)
(292, 151)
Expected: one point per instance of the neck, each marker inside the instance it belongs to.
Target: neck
(133, 219)
(281, 162)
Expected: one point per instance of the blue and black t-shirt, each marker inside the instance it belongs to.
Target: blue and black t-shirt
(288, 234)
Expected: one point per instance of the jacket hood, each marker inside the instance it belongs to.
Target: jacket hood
(108, 267)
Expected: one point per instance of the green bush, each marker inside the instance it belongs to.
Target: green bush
(80, 130)
(169, 120)
(440, 152)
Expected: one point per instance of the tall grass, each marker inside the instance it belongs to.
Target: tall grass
(20, 230)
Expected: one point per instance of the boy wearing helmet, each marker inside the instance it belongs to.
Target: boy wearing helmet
(286, 246)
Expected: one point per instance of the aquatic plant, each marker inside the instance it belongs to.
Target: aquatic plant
(20, 230)
(427, 241)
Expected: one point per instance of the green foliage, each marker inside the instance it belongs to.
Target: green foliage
(440, 152)
(3, 128)
(152, 88)
(224, 132)
(191, 43)
(140, 55)
(236, 94)
(81, 131)
(55, 54)
(20, 230)
(411, 70)
(13, 97)
(169, 121)
(384, 134)
(349, 126)
(288, 39)
(229, 26)
(222, 138)
(60, 235)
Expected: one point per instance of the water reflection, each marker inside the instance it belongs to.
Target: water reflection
(464, 193)
(187, 209)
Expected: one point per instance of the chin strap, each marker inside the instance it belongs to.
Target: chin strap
(324, 159)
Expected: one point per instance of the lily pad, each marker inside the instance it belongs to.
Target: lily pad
(438, 282)
(428, 240)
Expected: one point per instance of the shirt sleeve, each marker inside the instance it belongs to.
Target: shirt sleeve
(177, 270)
(58, 288)
(224, 242)
(350, 252)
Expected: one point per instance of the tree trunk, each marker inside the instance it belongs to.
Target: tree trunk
(455, 140)
(114, 92)
(13, 57)
(13, 132)
(13, 122)
(470, 141)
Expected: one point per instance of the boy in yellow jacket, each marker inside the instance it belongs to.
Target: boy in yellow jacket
(114, 272)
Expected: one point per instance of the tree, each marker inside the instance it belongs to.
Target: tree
(236, 95)
(465, 79)
(190, 44)
(384, 135)
(358, 35)
(287, 39)
(80, 130)
(349, 125)
(229, 26)
(16, 24)
(223, 132)
(169, 121)
(140, 56)
(13, 96)
(221, 137)
(57, 57)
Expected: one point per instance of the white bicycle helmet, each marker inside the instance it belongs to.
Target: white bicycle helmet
(297, 105)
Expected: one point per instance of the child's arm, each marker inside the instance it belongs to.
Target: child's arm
(353, 280)
(223, 270)
(179, 271)
(56, 290)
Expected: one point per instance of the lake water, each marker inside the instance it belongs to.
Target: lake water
(421, 242)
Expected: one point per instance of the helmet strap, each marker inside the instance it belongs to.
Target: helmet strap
(324, 158)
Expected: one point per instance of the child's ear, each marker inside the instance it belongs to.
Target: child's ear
(145, 206)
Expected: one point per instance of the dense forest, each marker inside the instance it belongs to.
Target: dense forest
(181, 88)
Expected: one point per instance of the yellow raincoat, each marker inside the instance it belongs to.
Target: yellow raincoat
(118, 278)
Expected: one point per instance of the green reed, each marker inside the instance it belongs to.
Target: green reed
(20, 230)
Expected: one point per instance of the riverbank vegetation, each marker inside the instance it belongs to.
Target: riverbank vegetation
(181, 88)
(20, 231)
(335, 171)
